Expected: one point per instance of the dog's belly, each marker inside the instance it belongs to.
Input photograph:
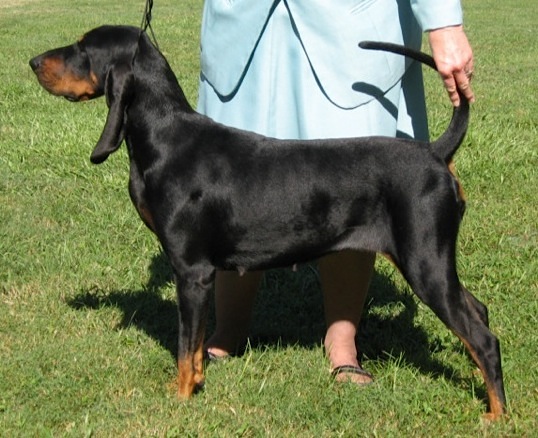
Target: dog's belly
(288, 246)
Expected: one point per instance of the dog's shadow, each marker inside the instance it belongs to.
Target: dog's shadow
(288, 311)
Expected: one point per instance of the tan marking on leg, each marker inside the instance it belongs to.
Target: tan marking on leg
(199, 366)
(190, 376)
(185, 377)
(496, 407)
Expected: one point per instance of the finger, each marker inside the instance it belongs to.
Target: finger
(463, 82)
(452, 89)
(469, 68)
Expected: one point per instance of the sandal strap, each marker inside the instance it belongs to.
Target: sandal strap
(351, 369)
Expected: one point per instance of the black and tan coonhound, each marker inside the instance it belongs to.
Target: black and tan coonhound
(223, 198)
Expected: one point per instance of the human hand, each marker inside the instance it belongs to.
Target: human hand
(454, 58)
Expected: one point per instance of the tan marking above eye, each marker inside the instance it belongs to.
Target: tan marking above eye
(93, 78)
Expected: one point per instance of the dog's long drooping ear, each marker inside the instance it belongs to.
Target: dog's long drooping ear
(118, 89)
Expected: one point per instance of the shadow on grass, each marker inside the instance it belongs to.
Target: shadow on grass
(288, 312)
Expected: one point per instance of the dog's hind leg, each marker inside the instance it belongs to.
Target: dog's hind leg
(479, 307)
(193, 292)
(434, 279)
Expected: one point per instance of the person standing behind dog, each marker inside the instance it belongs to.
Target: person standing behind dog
(292, 69)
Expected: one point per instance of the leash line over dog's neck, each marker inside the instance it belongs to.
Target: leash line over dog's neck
(146, 21)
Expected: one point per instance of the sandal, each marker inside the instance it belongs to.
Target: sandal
(339, 374)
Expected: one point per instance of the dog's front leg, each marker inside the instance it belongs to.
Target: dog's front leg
(193, 292)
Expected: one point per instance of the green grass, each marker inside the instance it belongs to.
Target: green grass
(87, 310)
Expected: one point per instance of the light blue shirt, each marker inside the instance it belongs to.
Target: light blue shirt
(329, 31)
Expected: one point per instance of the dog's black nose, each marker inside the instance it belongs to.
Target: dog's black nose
(35, 63)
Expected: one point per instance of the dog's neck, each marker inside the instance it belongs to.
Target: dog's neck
(163, 86)
(157, 91)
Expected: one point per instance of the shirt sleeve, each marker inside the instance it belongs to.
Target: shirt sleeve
(435, 14)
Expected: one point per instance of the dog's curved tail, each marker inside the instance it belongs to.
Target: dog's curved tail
(447, 144)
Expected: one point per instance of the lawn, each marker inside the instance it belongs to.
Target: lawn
(87, 308)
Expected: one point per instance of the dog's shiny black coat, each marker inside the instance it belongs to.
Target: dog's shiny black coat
(223, 198)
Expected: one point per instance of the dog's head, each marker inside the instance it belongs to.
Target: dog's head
(78, 72)
(100, 63)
